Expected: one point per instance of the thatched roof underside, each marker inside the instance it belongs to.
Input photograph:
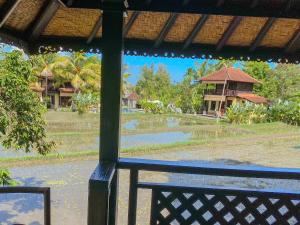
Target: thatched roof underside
(188, 34)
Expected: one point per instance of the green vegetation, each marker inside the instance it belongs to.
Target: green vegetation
(5, 178)
(81, 71)
(76, 135)
(21, 114)
(281, 82)
(248, 113)
(84, 102)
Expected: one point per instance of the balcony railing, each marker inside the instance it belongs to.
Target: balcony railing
(45, 191)
(231, 93)
(173, 204)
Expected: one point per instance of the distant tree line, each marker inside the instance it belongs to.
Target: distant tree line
(278, 82)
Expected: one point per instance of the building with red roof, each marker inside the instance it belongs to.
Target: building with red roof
(130, 100)
(230, 85)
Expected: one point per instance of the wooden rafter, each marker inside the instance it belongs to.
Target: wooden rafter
(220, 3)
(227, 34)
(254, 3)
(7, 9)
(195, 31)
(294, 44)
(198, 27)
(95, 29)
(167, 27)
(43, 19)
(259, 38)
(264, 30)
(131, 21)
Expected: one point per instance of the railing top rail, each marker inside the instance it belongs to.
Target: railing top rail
(216, 170)
(220, 190)
(25, 190)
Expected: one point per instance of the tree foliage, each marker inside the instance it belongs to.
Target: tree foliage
(22, 126)
(155, 85)
(261, 72)
(83, 72)
(283, 82)
(5, 178)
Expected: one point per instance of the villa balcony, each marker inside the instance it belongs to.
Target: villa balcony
(228, 92)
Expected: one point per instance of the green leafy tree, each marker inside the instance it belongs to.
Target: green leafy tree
(22, 126)
(283, 83)
(260, 71)
(190, 91)
(155, 85)
(126, 86)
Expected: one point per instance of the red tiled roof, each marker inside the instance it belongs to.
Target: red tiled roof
(133, 96)
(253, 98)
(230, 74)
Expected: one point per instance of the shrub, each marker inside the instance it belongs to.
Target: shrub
(247, 113)
(156, 107)
(83, 102)
(285, 111)
(5, 178)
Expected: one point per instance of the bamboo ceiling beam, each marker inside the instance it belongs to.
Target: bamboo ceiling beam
(167, 27)
(200, 23)
(195, 31)
(264, 30)
(227, 34)
(95, 30)
(131, 21)
(294, 44)
(7, 9)
(220, 3)
(267, 27)
(254, 3)
(43, 19)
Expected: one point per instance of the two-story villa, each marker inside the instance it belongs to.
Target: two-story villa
(229, 85)
(58, 96)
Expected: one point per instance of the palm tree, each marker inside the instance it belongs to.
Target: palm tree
(42, 65)
(81, 71)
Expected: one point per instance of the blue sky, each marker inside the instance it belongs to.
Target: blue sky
(176, 66)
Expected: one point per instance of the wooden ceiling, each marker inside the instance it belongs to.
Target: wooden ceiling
(241, 29)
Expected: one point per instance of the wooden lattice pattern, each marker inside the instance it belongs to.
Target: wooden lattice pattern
(217, 208)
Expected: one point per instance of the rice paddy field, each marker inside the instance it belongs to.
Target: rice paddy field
(275, 144)
(271, 144)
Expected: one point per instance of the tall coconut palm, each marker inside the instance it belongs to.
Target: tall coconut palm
(81, 71)
(42, 65)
